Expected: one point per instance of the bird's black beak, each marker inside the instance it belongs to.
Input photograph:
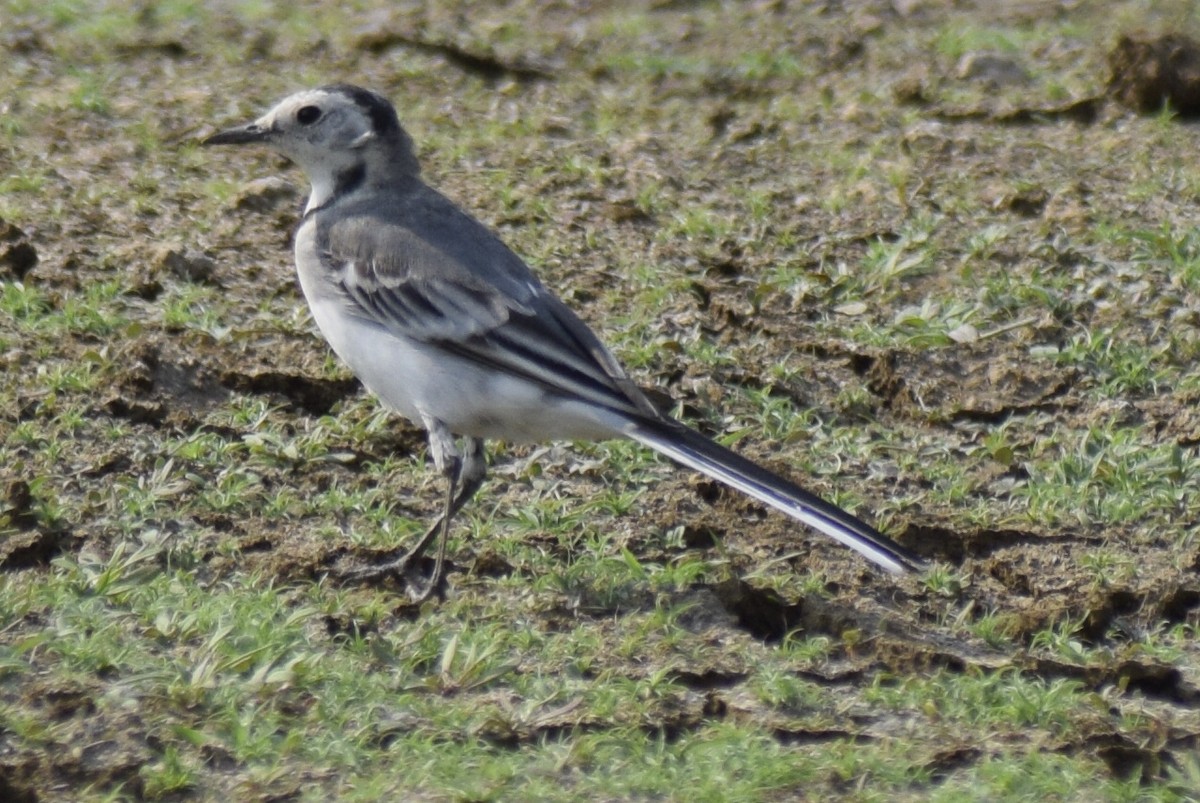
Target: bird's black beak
(252, 132)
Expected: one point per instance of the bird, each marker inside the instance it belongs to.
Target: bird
(447, 326)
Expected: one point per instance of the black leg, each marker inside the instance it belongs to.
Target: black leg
(415, 592)
(465, 475)
(470, 479)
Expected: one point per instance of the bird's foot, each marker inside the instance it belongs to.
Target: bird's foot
(406, 568)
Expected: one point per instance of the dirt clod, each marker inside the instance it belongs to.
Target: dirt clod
(268, 194)
(992, 69)
(187, 264)
(17, 255)
(1148, 72)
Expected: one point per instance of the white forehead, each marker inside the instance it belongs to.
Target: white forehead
(322, 99)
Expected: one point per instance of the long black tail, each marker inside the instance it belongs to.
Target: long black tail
(692, 449)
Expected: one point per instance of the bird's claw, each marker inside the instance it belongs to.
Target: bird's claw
(405, 568)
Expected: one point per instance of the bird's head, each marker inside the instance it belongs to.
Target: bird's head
(336, 134)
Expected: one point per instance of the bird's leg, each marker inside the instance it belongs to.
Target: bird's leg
(466, 474)
(470, 478)
(416, 592)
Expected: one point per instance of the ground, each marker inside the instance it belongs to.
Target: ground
(915, 255)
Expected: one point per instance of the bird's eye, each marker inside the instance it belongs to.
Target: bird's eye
(308, 115)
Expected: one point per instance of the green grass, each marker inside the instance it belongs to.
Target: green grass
(833, 283)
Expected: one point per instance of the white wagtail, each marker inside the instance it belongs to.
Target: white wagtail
(450, 328)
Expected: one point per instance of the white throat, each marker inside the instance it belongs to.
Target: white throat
(329, 182)
(323, 183)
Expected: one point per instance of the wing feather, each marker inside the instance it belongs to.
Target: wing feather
(469, 294)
